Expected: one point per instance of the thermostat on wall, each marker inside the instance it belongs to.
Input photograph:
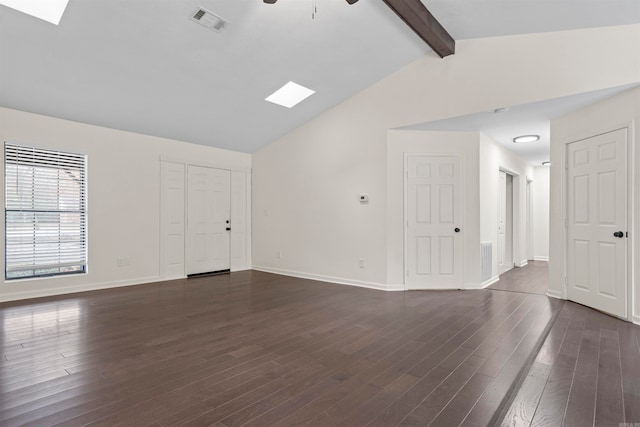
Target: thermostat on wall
(364, 198)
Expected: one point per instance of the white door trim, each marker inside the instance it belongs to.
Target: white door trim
(516, 216)
(529, 187)
(563, 167)
(405, 217)
(167, 273)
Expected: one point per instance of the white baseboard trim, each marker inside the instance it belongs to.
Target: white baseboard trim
(555, 294)
(331, 279)
(483, 285)
(636, 320)
(16, 296)
(541, 258)
(522, 263)
(489, 282)
(165, 279)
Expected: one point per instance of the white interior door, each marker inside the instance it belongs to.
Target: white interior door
(502, 221)
(433, 210)
(597, 222)
(208, 218)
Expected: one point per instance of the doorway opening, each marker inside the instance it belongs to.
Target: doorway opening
(529, 225)
(505, 222)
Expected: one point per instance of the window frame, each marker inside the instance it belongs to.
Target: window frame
(82, 212)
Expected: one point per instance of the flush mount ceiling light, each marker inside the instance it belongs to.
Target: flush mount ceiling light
(47, 10)
(526, 138)
(290, 95)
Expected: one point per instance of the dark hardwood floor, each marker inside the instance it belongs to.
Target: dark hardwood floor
(531, 279)
(258, 349)
(587, 373)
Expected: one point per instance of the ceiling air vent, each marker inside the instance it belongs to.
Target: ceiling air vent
(209, 20)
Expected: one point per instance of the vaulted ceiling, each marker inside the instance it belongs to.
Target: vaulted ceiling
(144, 66)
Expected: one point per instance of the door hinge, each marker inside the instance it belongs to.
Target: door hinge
(566, 281)
(566, 165)
(566, 223)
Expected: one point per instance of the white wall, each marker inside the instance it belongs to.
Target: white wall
(123, 197)
(466, 145)
(622, 111)
(540, 208)
(306, 183)
(493, 158)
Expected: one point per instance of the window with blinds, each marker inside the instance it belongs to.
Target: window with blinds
(45, 212)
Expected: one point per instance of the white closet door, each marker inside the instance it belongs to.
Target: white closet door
(208, 220)
(597, 222)
(434, 222)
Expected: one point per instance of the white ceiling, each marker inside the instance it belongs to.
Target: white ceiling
(528, 119)
(143, 66)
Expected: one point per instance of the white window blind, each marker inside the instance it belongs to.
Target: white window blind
(45, 212)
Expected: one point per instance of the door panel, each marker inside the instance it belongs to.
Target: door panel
(434, 249)
(172, 220)
(208, 210)
(597, 208)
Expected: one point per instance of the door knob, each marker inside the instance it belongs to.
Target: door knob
(618, 234)
(457, 230)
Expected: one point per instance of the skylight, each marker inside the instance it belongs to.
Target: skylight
(290, 95)
(47, 10)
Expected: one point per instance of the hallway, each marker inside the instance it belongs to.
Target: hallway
(531, 279)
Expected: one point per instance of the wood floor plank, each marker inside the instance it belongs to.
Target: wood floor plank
(582, 397)
(630, 365)
(609, 401)
(426, 411)
(459, 407)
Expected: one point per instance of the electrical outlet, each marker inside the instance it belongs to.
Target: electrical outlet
(265, 213)
(361, 263)
(278, 255)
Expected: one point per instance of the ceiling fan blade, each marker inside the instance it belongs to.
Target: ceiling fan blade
(416, 15)
(352, 1)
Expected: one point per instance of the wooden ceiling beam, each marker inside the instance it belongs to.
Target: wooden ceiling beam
(416, 15)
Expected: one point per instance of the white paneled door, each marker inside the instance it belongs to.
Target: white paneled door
(434, 223)
(597, 222)
(208, 220)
